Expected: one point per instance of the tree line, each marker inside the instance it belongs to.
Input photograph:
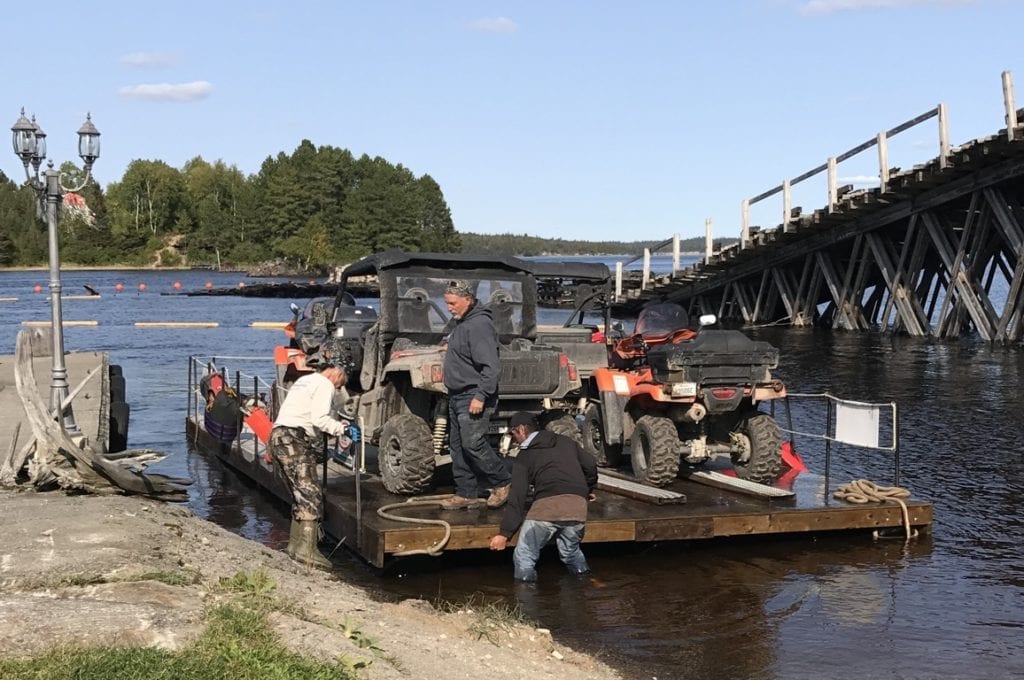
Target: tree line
(314, 207)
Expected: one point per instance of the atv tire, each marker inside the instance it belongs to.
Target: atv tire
(565, 425)
(760, 432)
(606, 455)
(405, 455)
(654, 450)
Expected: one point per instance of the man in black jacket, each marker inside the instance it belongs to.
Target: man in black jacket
(471, 372)
(563, 477)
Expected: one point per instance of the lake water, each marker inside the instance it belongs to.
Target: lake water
(950, 605)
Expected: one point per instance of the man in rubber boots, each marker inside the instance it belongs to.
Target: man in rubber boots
(563, 477)
(296, 446)
(471, 371)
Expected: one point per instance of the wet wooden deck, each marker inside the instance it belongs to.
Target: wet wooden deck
(707, 513)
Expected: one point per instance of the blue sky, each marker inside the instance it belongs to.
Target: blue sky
(585, 120)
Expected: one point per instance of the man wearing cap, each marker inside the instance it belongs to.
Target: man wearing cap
(296, 449)
(471, 371)
(563, 477)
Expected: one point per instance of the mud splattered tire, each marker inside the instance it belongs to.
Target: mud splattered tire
(405, 455)
(606, 455)
(654, 450)
(564, 425)
(761, 460)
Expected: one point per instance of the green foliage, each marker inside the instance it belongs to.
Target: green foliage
(318, 206)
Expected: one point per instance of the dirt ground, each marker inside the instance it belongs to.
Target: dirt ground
(94, 570)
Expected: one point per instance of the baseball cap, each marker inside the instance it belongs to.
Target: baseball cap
(459, 287)
(523, 418)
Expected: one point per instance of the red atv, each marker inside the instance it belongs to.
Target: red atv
(680, 394)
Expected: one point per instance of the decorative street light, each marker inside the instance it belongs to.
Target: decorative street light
(30, 146)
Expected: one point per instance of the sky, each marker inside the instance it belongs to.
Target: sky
(586, 120)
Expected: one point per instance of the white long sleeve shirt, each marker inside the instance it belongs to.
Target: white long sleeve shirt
(308, 405)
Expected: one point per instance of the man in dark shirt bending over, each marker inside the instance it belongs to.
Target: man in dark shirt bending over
(563, 477)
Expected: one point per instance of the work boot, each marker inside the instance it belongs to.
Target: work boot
(458, 502)
(498, 497)
(302, 545)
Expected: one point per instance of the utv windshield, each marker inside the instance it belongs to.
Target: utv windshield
(421, 306)
(661, 319)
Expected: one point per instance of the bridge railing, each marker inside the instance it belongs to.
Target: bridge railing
(646, 278)
(881, 142)
(830, 166)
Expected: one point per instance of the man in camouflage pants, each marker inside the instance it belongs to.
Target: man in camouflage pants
(295, 446)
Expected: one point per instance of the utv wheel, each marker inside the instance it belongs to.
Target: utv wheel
(654, 450)
(606, 455)
(565, 425)
(405, 455)
(760, 459)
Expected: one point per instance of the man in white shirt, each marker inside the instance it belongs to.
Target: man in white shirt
(295, 446)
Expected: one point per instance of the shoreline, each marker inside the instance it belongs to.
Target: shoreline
(124, 571)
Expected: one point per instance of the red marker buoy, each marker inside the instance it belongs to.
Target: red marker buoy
(177, 285)
(312, 282)
(119, 287)
(142, 287)
(241, 284)
(37, 289)
(209, 285)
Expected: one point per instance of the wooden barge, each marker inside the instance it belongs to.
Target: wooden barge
(352, 501)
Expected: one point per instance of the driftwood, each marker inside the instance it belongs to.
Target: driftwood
(8, 475)
(59, 460)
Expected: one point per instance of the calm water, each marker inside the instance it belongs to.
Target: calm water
(949, 606)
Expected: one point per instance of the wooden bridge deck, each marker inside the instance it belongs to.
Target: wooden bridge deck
(707, 513)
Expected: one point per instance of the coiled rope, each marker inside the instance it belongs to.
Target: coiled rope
(419, 501)
(862, 491)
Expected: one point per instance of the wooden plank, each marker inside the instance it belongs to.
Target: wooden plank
(679, 529)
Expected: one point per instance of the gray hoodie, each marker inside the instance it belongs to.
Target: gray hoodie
(471, 363)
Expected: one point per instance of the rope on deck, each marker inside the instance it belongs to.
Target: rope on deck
(862, 491)
(420, 501)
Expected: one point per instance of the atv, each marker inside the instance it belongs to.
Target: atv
(679, 394)
(392, 351)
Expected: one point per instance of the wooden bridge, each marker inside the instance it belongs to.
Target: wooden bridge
(934, 250)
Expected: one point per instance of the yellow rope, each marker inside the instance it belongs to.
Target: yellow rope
(863, 491)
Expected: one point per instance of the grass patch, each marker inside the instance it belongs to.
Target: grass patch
(488, 618)
(170, 577)
(237, 643)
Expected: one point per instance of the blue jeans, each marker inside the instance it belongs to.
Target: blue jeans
(473, 459)
(535, 534)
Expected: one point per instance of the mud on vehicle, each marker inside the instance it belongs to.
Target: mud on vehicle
(681, 394)
(391, 350)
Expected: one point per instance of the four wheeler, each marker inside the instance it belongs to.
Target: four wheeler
(679, 394)
(392, 352)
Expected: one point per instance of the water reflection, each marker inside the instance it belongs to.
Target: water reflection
(949, 606)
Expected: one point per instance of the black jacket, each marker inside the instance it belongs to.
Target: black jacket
(471, 363)
(554, 465)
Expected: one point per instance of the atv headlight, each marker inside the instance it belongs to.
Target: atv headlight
(683, 389)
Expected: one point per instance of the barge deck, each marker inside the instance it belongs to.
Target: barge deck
(353, 499)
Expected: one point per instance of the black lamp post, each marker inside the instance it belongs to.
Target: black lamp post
(30, 146)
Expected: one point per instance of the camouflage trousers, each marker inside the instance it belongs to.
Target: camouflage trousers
(295, 455)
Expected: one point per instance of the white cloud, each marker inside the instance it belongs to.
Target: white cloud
(168, 92)
(150, 59)
(816, 7)
(495, 25)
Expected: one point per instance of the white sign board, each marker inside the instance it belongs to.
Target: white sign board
(857, 424)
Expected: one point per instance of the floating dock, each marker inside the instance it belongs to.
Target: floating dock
(352, 502)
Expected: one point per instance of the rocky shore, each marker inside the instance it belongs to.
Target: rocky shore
(115, 571)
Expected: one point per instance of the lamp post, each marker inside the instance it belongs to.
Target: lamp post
(30, 146)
